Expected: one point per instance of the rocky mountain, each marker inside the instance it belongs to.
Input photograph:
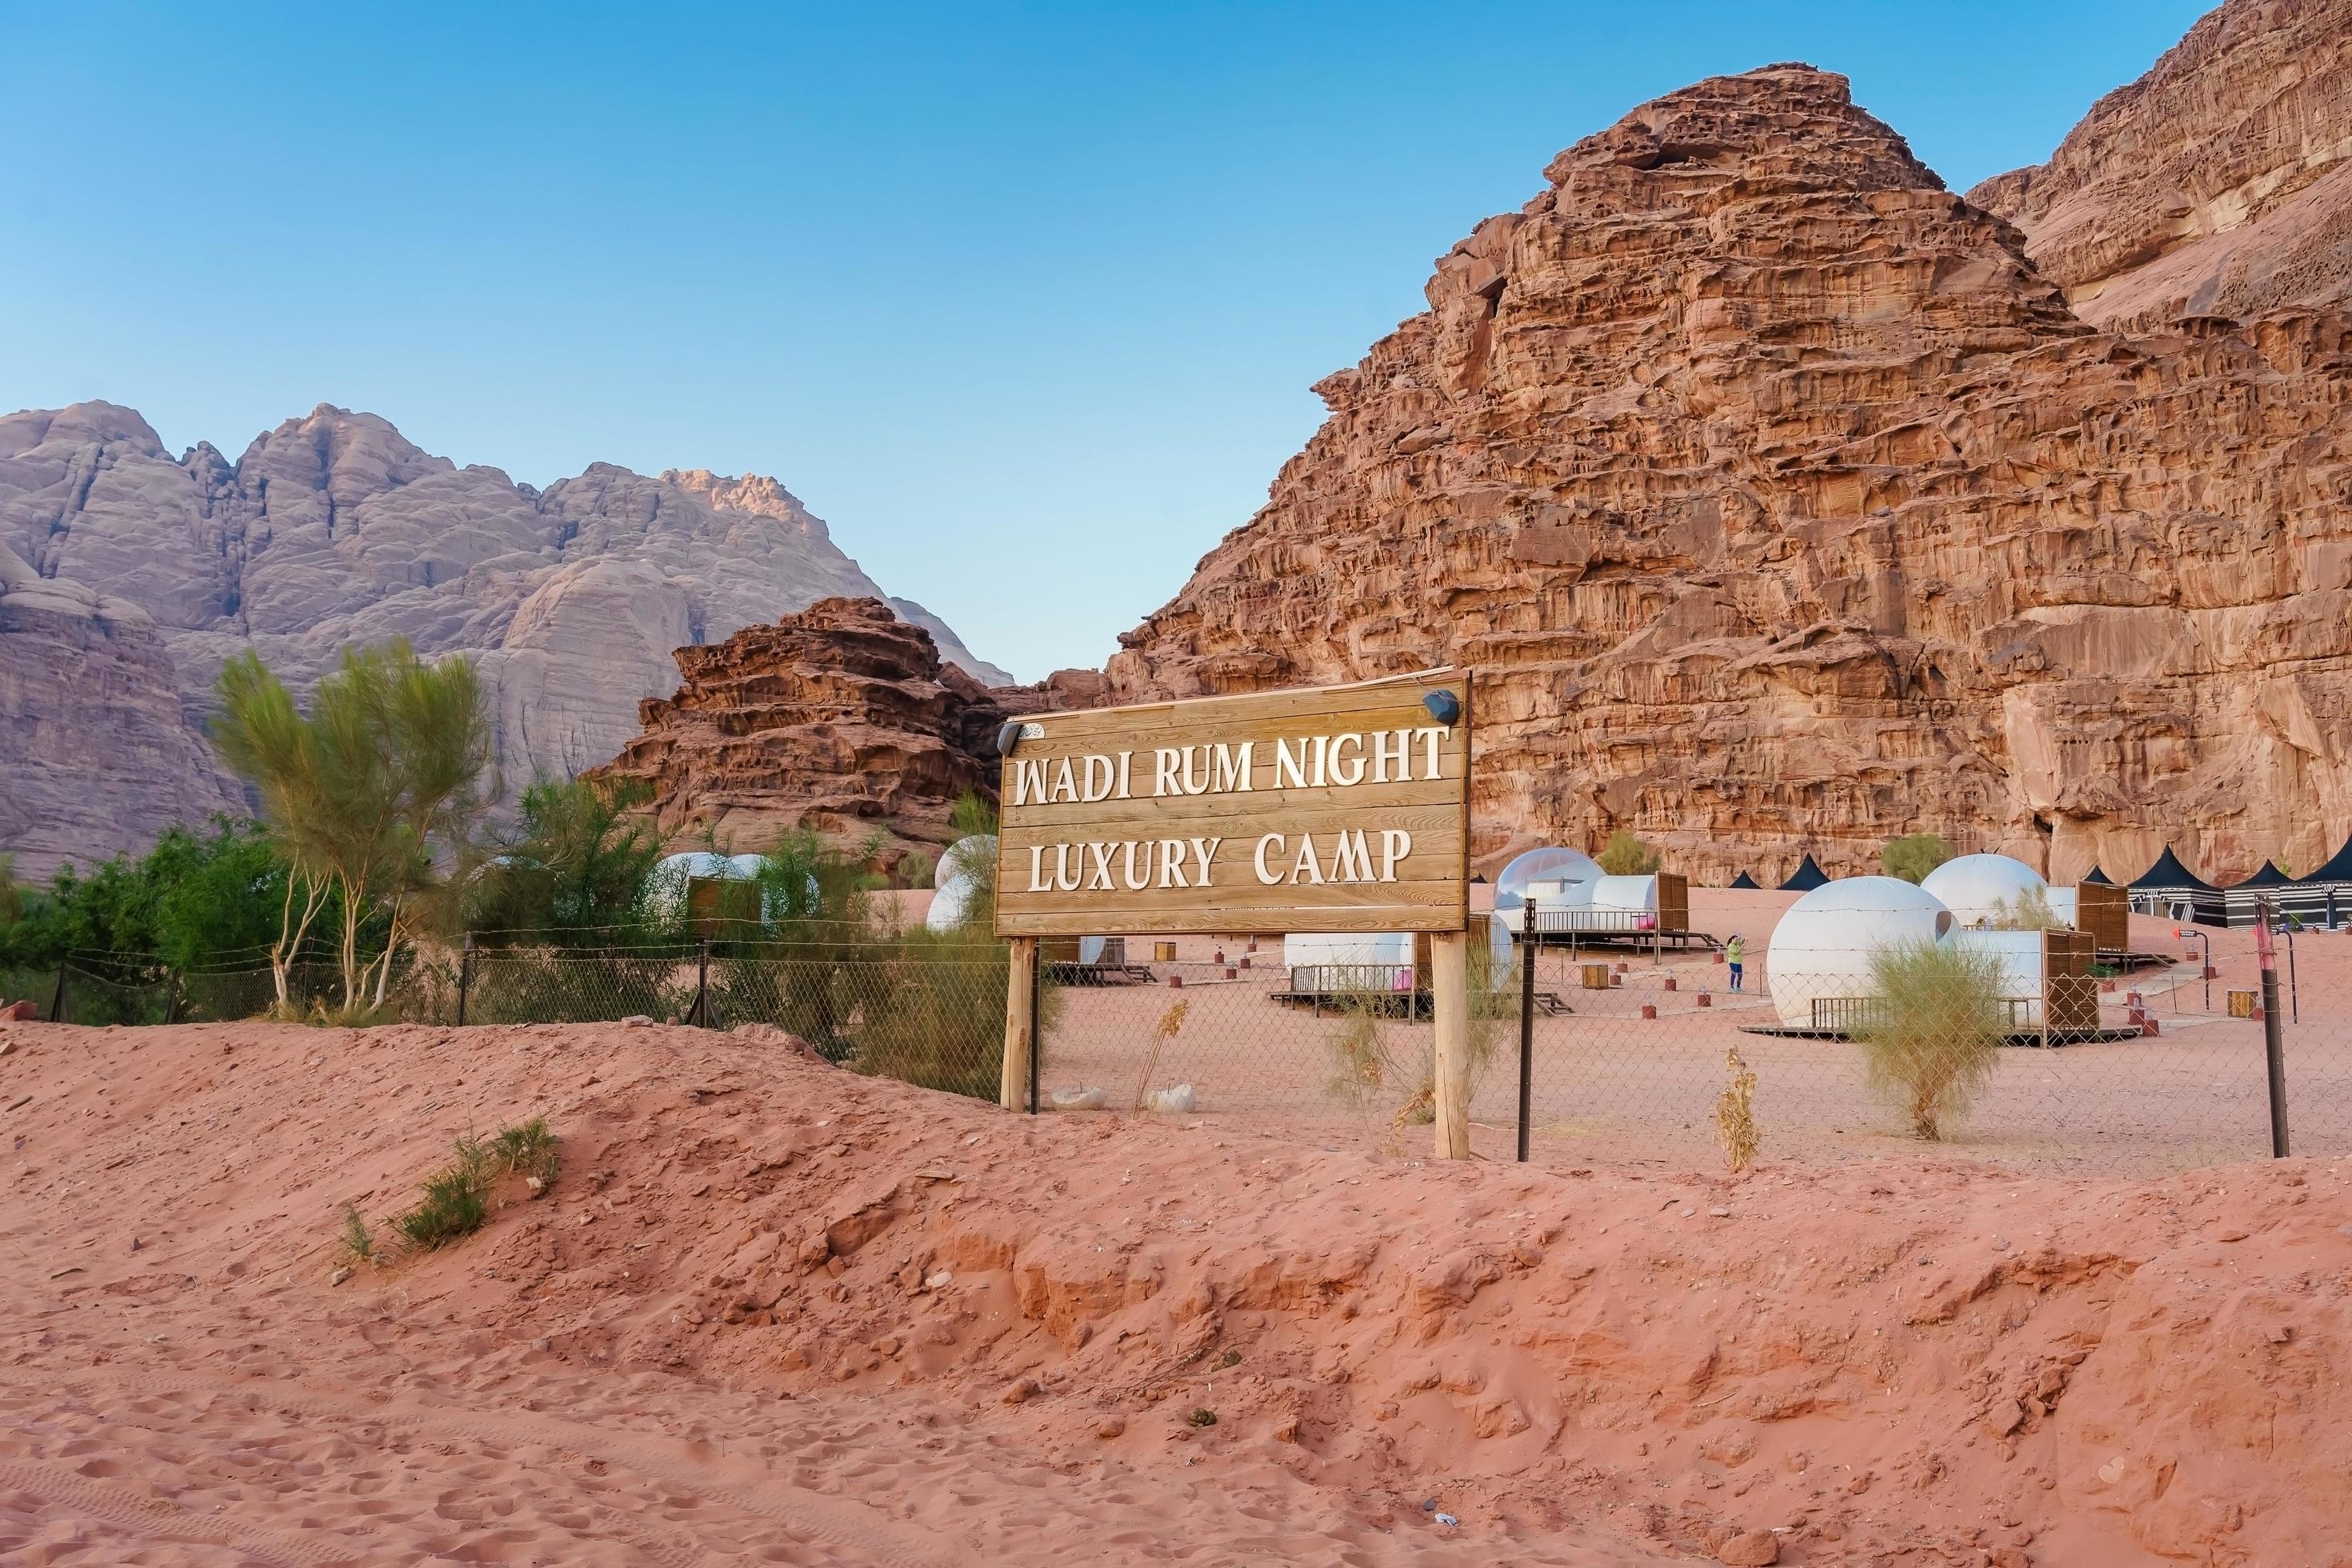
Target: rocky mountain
(841, 718)
(91, 734)
(1779, 502)
(334, 529)
(2220, 184)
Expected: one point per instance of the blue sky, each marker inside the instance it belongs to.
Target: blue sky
(1025, 301)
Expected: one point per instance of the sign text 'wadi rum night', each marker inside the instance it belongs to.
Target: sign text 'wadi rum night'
(1342, 808)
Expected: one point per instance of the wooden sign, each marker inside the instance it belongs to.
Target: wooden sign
(1340, 808)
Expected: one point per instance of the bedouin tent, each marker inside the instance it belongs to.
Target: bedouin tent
(2316, 895)
(2337, 870)
(2168, 872)
(2201, 903)
(1805, 877)
(2270, 875)
(1743, 881)
(2099, 877)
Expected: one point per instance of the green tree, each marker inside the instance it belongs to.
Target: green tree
(1626, 856)
(573, 871)
(1914, 855)
(1931, 1033)
(360, 794)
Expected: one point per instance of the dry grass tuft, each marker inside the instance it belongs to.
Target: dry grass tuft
(1734, 1114)
(1161, 1033)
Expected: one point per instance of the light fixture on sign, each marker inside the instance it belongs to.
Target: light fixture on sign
(1010, 735)
(1443, 707)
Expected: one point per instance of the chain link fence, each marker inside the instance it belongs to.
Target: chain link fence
(1634, 1052)
(1637, 1053)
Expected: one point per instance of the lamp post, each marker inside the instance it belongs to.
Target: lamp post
(2205, 966)
(2285, 927)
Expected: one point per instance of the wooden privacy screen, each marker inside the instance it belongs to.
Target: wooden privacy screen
(1337, 809)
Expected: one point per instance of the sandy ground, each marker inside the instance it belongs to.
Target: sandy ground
(771, 1312)
(1610, 1084)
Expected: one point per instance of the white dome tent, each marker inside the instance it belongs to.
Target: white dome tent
(1552, 876)
(963, 874)
(1981, 889)
(1822, 948)
(665, 887)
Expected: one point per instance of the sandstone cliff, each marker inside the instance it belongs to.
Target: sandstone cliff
(91, 731)
(2220, 184)
(333, 528)
(1779, 503)
(841, 718)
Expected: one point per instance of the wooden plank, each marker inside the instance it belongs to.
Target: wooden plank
(1241, 709)
(1020, 1025)
(1449, 996)
(1144, 807)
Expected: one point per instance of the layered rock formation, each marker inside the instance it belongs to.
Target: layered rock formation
(91, 730)
(842, 718)
(1778, 502)
(2220, 184)
(333, 528)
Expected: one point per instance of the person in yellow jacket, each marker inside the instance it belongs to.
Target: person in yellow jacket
(1734, 953)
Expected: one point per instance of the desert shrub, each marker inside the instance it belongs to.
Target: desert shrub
(1734, 1114)
(1361, 1065)
(1932, 1032)
(928, 1009)
(455, 1199)
(359, 1243)
(916, 870)
(578, 987)
(2029, 911)
(526, 1150)
(1626, 856)
(1914, 855)
(454, 1203)
(571, 870)
(1371, 1049)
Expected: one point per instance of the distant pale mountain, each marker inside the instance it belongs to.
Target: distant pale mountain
(331, 530)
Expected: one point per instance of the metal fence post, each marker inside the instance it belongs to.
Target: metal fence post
(701, 1013)
(1036, 1029)
(2273, 1047)
(465, 976)
(1526, 1018)
(58, 997)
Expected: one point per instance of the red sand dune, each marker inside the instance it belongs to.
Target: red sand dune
(772, 1311)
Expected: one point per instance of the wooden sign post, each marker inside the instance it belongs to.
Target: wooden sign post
(1338, 808)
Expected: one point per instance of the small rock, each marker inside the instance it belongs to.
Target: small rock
(1750, 1549)
(939, 1279)
(339, 1276)
(1287, 1429)
(1111, 1426)
(2232, 1233)
(1446, 1520)
(535, 1185)
(1720, 1213)
(2280, 1335)
(638, 1021)
(587, 1219)
(1022, 1391)
(542, 1344)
